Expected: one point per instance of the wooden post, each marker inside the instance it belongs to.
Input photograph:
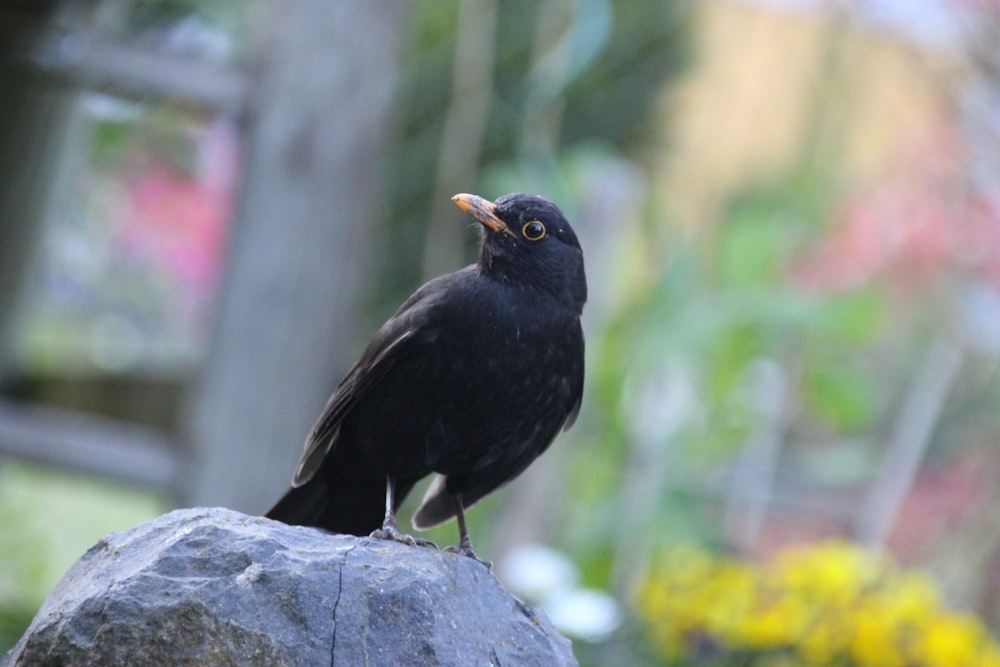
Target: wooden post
(311, 200)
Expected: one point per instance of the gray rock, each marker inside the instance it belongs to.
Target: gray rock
(215, 587)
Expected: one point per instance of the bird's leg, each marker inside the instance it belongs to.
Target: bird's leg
(390, 530)
(465, 542)
(389, 522)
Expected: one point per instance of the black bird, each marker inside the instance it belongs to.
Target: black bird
(472, 378)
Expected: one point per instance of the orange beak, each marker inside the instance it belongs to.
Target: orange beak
(482, 211)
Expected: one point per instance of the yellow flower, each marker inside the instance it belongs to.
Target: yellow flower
(875, 640)
(827, 637)
(952, 640)
(777, 624)
(819, 605)
(990, 657)
(912, 597)
(832, 573)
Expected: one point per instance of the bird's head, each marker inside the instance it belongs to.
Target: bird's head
(528, 241)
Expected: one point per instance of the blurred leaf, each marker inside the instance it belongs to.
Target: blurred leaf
(728, 425)
(109, 142)
(838, 395)
(752, 252)
(852, 318)
(14, 620)
(648, 44)
(735, 347)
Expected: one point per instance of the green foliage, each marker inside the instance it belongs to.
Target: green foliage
(839, 396)
(725, 304)
(646, 45)
(48, 520)
(15, 617)
(851, 318)
(109, 142)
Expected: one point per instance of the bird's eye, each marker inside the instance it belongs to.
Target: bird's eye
(533, 230)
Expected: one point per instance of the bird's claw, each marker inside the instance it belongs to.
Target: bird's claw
(389, 532)
(466, 550)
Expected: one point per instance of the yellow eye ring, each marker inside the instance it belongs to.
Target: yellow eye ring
(533, 230)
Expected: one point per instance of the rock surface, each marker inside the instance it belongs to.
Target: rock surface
(215, 587)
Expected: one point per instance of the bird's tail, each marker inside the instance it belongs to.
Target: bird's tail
(346, 495)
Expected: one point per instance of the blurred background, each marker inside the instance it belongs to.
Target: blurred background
(789, 448)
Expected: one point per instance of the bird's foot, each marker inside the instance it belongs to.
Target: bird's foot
(392, 532)
(466, 550)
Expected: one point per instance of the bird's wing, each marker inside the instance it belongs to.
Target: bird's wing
(392, 343)
(359, 381)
